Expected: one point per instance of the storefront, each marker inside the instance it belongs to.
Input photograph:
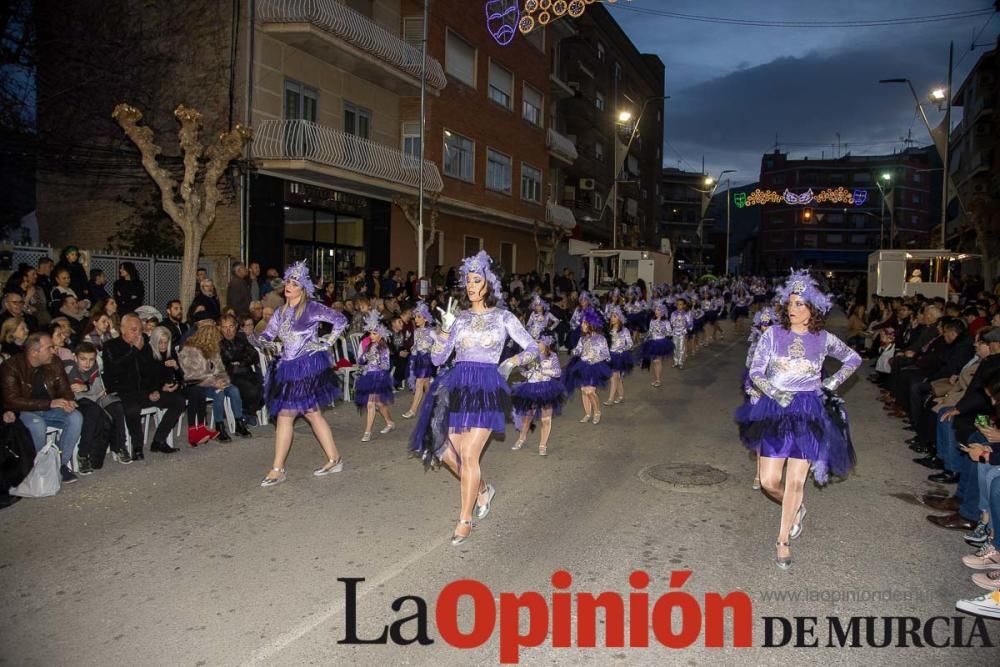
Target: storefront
(335, 231)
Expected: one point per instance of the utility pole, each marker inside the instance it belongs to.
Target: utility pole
(420, 158)
(947, 150)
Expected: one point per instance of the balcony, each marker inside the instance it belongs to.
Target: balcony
(302, 149)
(561, 146)
(559, 215)
(337, 34)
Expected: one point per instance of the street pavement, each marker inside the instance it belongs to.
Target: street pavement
(184, 560)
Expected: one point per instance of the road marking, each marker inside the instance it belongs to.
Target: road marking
(266, 653)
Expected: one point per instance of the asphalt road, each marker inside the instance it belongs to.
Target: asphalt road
(186, 561)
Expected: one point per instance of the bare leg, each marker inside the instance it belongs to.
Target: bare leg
(418, 394)
(614, 387)
(525, 427)
(546, 426)
(795, 481)
(470, 446)
(282, 443)
(384, 411)
(657, 369)
(323, 433)
(370, 420)
(585, 400)
(621, 386)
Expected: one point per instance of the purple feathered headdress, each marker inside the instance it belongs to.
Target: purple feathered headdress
(481, 264)
(617, 312)
(548, 340)
(764, 318)
(373, 324)
(585, 295)
(539, 301)
(299, 272)
(423, 311)
(801, 283)
(593, 319)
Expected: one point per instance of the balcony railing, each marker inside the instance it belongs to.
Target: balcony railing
(559, 215)
(561, 145)
(305, 140)
(357, 29)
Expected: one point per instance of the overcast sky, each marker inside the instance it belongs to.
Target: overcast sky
(733, 87)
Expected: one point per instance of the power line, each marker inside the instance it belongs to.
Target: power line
(768, 23)
(975, 39)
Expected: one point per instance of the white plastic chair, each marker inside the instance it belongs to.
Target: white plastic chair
(347, 373)
(262, 415)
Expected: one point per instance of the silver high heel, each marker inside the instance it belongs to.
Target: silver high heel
(797, 526)
(388, 428)
(585, 419)
(482, 511)
(609, 402)
(408, 415)
(620, 399)
(457, 539)
(366, 437)
(518, 444)
(329, 468)
(784, 562)
(273, 481)
(597, 418)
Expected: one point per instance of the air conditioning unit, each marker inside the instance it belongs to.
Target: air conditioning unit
(587, 184)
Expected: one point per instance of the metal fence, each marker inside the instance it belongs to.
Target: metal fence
(160, 275)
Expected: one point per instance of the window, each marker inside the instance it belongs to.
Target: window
(473, 244)
(459, 156)
(501, 85)
(599, 100)
(600, 51)
(916, 197)
(862, 177)
(916, 177)
(834, 218)
(498, 172)
(599, 151)
(834, 239)
(532, 111)
(411, 140)
(357, 120)
(859, 239)
(460, 59)
(508, 256)
(838, 178)
(915, 219)
(413, 31)
(618, 71)
(300, 101)
(531, 183)
(809, 240)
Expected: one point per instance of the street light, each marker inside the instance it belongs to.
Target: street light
(706, 198)
(887, 177)
(943, 97)
(625, 116)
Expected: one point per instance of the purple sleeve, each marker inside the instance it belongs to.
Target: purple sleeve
(758, 366)
(320, 313)
(849, 359)
(521, 336)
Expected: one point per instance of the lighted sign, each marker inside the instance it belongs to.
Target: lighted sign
(502, 20)
(540, 12)
(829, 196)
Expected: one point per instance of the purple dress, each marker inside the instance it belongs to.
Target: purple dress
(303, 380)
(589, 366)
(375, 381)
(471, 394)
(796, 415)
(421, 365)
(621, 351)
(657, 344)
(541, 389)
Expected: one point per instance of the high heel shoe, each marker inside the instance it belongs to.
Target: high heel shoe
(366, 437)
(273, 481)
(797, 526)
(408, 414)
(331, 467)
(784, 562)
(388, 428)
(756, 484)
(518, 444)
(543, 450)
(585, 419)
(609, 402)
(597, 418)
(482, 511)
(457, 539)
(620, 399)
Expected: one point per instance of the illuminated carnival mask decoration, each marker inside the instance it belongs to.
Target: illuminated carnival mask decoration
(501, 20)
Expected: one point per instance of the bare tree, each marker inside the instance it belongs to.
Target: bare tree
(192, 203)
(553, 235)
(411, 211)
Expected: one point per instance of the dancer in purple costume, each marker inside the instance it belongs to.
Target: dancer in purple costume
(303, 381)
(471, 400)
(421, 367)
(540, 396)
(373, 389)
(791, 422)
(622, 360)
(589, 368)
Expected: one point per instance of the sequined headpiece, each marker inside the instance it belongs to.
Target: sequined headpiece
(423, 311)
(547, 340)
(593, 319)
(802, 284)
(299, 272)
(617, 312)
(481, 264)
(585, 295)
(373, 324)
(539, 301)
(764, 318)
(660, 306)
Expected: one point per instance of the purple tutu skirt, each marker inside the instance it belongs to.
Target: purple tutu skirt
(421, 366)
(579, 373)
(530, 398)
(301, 385)
(739, 311)
(637, 321)
(711, 315)
(466, 396)
(656, 348)
(375, 386)
(813, 427)
(622, 362)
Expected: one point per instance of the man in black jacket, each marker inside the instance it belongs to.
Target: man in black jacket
(141, 382)
(944, 358)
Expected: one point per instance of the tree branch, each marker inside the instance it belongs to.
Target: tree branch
(128, 118)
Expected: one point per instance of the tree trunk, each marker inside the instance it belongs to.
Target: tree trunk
(189, 265)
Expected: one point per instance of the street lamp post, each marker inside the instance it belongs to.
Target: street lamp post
(707, 195)
(625, 116)
(887, 177)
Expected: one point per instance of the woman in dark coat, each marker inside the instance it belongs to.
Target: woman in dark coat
(129, 291)
(78, 281)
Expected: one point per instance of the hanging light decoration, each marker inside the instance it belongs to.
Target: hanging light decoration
(537, 13)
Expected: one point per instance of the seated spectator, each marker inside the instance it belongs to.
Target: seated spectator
(175, 322)
(45, 268)
(108, 307)
(98, 285)
(103, 415)
(206, 299)
(165, 353)
(329, 293)
(202, 365)
(74, 312)
(13, 334)
(69, 260)
(98, 331)
(256, 311)
(241, 361)
(149, 324)
(60, 290)
(14, 305)
(400, 343)
(131, 372)
(129, 291)
(363, 305)
(61, 340)
(35, 385)
(247, 325)
(856, 328)
(275, 297)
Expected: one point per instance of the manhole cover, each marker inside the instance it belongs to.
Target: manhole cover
(683, 475)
